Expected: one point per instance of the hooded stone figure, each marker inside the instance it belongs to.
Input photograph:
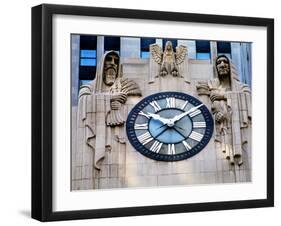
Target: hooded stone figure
(231, 107)
(93, 104)
(100, 113)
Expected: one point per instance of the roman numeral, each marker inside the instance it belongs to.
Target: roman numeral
(156, 146)
(141, 126)
(155, 105)
(186, 145)
(171, 102)
(145, 138)
(184, 105)
(199, 124)
(171, 149)
(194, 113)
(196, 136)
(143, 114)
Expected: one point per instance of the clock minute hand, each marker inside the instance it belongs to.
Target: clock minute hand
(180, 116)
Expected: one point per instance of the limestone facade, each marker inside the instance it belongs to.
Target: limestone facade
(120, 165)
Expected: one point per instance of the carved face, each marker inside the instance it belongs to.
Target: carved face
(169, 46)
(110, 71)
(223, 66)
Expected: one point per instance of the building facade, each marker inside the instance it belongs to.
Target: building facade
(121, 165)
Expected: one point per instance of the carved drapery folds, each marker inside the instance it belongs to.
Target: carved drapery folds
(83, 110)
(231, 106)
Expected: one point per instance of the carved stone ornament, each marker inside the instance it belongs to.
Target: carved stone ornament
(231, 107)
(202, 88)
(168, 60)
(100, 108)
(120, 90)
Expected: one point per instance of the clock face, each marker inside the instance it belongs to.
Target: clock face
(169, 126)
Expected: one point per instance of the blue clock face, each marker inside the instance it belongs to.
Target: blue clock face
(169, 126)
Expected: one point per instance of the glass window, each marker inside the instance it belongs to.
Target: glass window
(87, 72)
(224, 48)
(145, 55)
(88, 57)
(203, 56)
(88, 42)
(88, 62)
(111, 43)
(203, 50)
(88, 53)
(145, 43)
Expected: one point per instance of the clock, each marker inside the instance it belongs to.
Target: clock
(169, 126)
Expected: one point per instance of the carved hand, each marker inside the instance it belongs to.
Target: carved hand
(115, 105)
(180, 116)
(120, 97)
(219, 116)
(217, 96)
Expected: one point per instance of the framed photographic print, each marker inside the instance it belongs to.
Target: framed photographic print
(143, 112)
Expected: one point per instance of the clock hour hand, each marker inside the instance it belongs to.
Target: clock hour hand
(180, 116)
(162, 132)
(159, 118)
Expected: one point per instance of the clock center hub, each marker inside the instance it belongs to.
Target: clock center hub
(170, 131)
(170, 123)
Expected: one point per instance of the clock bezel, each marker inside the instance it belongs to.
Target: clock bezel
(132, 137)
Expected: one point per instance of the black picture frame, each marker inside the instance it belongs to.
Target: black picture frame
(42, 180)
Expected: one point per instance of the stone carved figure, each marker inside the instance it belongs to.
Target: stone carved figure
(231, 107)
(122, 88)
(100, 108)
(168, 60)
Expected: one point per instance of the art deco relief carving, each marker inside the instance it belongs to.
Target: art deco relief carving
(120, 90)
(101, 106)
(168, 60)
(231, 107)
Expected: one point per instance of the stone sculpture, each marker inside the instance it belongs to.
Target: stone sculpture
(100, 107)
(231, 107)
(168, 60)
